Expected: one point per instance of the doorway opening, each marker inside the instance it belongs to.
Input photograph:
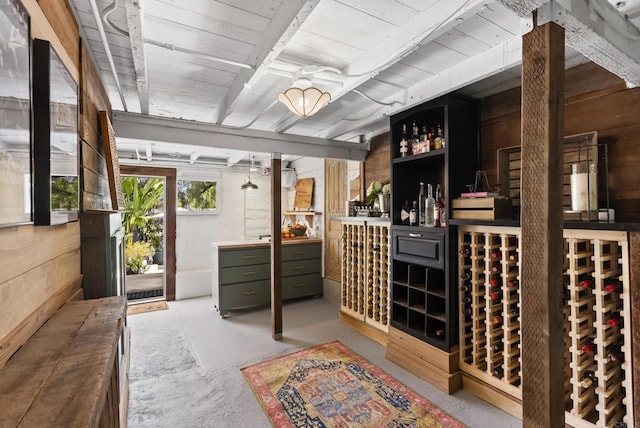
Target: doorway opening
(148, 217)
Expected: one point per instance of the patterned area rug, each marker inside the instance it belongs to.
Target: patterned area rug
(331, 386)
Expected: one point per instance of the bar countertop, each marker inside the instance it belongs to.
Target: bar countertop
(256, 243)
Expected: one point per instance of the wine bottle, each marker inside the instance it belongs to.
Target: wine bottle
(404, 143)
(497, 347)
(496, 254)
(466, 300)
(464, 288)
(415, 139)
(589, 379)
(425, 144)
(614, 356)
(494, 295)
(413, 214)
(429, 205)
(513, 256)
(465, 276)
(615, 321)
(495, 268)
(612, 286)
(586, 283)
(467, 311)
(404, 214)
(421, 205)
(589, 347)
(496, 320)
(437, 206)
(493, 282)
(498, 372)
(465, 251)
(512, 283)
(440, 134)
(440, 333)
(514, 312)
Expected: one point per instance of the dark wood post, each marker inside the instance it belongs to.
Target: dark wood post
(634, 288)
(276, 246)
(541, 226)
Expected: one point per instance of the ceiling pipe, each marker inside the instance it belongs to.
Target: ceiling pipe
(171, 47)
(107, 49)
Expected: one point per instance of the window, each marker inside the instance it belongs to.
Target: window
(195, 196)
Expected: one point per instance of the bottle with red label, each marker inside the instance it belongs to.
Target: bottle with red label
(589, 347)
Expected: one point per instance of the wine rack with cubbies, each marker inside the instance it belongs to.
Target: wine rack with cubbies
(598, 381)
(365, 272)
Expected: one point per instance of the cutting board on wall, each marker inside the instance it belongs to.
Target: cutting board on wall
(304, 194)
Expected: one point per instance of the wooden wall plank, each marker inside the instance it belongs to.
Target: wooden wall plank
(65, 26)
(22, 295)
(26, 247)
(377, 162)
(542, 243)
(598, 102)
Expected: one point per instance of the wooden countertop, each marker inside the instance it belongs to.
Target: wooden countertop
(262, 243)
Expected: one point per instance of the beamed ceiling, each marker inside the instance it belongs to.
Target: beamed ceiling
(179, 71)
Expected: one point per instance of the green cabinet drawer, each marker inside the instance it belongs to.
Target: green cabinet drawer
(244, 257)
(245, 294)
(301, 285)
(300, 267)
(301, 252)
(232, 275)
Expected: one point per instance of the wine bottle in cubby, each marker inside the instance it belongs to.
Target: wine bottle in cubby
(589, 379)
(589, 347)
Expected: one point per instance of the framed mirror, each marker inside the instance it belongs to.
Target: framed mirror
(55, 138)
(15, 115)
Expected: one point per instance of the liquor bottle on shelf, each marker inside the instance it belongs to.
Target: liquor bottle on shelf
(437, 142)
(589, 379)
(438, 207)
(421, 205)
(429, 220)
(404, 142)
(404, 214)
(413, 214)
(415, 139)
(443, 208)
(440, 134)
(589, 347)
(425, 144)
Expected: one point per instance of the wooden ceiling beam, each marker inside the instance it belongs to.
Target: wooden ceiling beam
(286, 22)
(160, 129)
(133, 10)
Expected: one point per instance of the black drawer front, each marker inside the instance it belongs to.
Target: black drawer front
(301, 252)
(421, 247)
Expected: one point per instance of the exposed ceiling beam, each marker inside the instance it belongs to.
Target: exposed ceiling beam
(193, 157)
(235, 158)
(498, 58)
(286, 22)
(153, 128)
(598, 31)
(522, 7)
(419, 30)
(136, 38)
(149, 152)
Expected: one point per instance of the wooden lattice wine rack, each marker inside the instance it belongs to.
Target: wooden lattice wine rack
(598, 388)
(365, 272)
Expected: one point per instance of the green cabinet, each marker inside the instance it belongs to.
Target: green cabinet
(241, 273)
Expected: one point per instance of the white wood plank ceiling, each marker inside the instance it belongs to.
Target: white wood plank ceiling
(222, 63)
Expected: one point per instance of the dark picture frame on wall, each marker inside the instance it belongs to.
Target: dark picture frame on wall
(15, 115)
(55, 138)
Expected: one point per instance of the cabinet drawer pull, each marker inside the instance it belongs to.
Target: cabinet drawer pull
(298, 267)
(250, 273)
(248, 257)
(299, 285)
(298, 252)
(415, 235)
(248, 293)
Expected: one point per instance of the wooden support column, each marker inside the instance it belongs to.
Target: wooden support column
(276, 246)
(541, 225)
(634, 285)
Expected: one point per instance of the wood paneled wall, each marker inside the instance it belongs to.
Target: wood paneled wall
(596, 100)
(377, 165)
(40, 266)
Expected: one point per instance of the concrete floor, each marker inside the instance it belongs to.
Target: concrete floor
(185, 364)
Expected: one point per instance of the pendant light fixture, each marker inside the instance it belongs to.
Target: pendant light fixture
(249, 185)
(304, 99)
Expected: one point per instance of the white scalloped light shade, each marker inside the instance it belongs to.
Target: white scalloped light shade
(304, 102)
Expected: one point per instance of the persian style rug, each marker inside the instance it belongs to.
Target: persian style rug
(331, 386)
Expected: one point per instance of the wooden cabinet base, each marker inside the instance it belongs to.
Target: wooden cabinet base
(363, 328)
(492, 395)
(431, 364)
